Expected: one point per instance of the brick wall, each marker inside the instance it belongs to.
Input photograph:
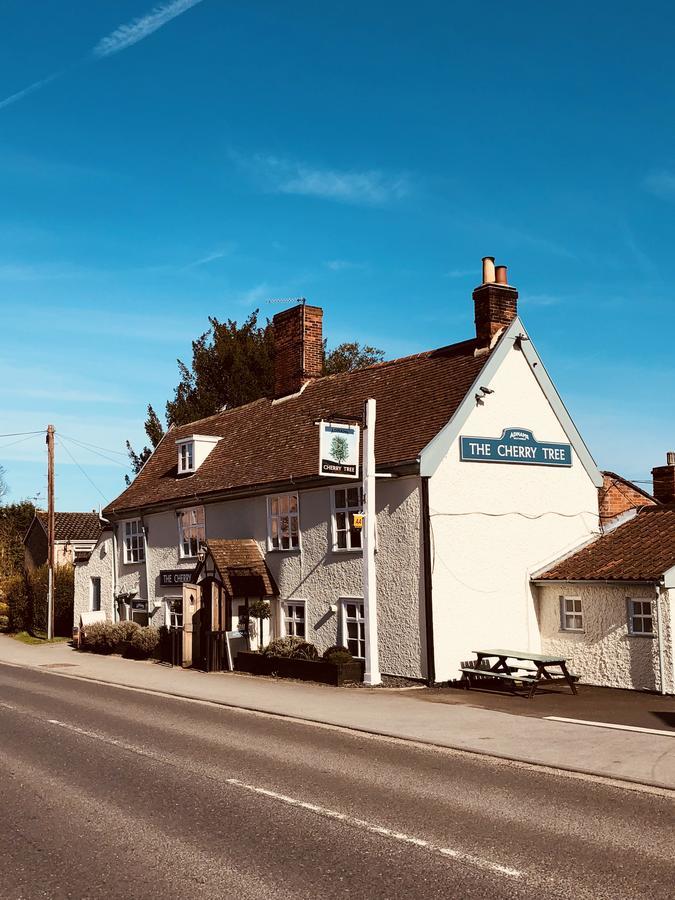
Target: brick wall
(298, 348)
(617, 496)
(664, 481)
(495, 305)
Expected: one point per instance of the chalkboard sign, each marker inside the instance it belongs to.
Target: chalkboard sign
(234, 641)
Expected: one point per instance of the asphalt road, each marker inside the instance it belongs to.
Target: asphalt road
(106, 792)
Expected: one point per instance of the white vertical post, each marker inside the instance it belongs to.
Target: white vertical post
(372, 671)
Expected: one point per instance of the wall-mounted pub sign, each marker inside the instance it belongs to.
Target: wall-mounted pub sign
(516, 445)
(172, 577)
(339, 450)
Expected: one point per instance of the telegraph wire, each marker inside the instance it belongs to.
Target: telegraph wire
(94, 446)
(95, 452)
(96, 488)
(20, 433)
(20, 441)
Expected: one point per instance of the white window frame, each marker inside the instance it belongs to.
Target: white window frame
(360, 619)
(133, 542)
(272, 517)
(169, 601)
(349, 510)
(641, 616)
(95, 579)
(289, 621)
(181, 531)
(575, 612)
(186, 453)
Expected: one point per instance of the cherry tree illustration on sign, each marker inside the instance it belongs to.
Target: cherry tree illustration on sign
(339, 449)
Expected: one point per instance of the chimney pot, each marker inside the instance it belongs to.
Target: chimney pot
(495, 302)
(488, 269)
(670, 458)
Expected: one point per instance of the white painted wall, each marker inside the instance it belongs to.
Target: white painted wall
(606, 653)
(315, 573)
(99, 565)
(493, 525)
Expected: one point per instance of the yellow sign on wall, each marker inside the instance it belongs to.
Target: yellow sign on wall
(358, 520)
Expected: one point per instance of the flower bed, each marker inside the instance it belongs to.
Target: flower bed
(320, 670)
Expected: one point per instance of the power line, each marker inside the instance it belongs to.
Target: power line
(19, 433)
(96, 488)
(95, 446)
(95, 452)
(20, 441)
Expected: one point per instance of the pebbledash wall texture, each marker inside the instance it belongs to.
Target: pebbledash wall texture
(605, 652)
(315, 573)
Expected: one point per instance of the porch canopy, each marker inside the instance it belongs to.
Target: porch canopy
(239, 566)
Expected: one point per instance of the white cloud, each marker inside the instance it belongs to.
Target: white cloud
(122, 37)
(339, 265)
(368, 188)
(140, 28)
(661, 183)
(460, 273)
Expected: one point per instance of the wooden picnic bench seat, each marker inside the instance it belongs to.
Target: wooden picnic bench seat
(503, 675)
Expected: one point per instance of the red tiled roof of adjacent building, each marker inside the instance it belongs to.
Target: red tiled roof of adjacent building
(73, 526)
(641, 549)
(268, 443)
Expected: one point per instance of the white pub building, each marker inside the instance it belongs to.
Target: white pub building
(483, 484)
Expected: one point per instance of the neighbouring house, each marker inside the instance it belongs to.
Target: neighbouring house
(75, 535)
(483, 480)
(610, 606)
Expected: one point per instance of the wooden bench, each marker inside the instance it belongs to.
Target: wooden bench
(472, 669)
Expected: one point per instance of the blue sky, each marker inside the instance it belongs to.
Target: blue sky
(160, 164)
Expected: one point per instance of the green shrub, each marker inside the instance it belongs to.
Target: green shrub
(291, 647)
(18, 599)
(127, 629)
(101, 637)
(335, 648)
(4, 608)
(144, 642)
(338, 655)
(4, 623)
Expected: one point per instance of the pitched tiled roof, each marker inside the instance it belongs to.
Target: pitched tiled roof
(69, 526)
(641, 549)
(242, 568)
(267, 442)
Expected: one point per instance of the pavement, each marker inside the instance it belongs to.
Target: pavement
(110, 793)
(640, 757)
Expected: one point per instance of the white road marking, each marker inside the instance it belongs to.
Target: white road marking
(610, 725)
(353, 821)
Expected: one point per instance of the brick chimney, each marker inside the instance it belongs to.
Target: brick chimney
(495, 302)
(664, 480)
(298, 348)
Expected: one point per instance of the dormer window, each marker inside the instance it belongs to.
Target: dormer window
(192, 451)
(186, 457)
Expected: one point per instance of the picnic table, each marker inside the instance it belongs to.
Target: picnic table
(518, 667)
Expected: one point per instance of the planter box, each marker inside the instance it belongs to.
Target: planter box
(319, 670)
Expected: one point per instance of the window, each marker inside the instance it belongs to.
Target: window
(174, 612)
(191, 530)
(346, 503)
(571, 614)
(186, 457)
(294, 618)
(283, 522)
(96, 594)
(354, 630)
(640, 617)
(134, 546)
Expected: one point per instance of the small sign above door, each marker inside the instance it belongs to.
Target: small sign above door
(172, 577)
(516, 445)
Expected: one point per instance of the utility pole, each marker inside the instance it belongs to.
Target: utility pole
(50, 531)
(372, 670)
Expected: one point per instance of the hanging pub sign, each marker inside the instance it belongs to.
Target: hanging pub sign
(339, 450)
(172, 577)
(516, 445)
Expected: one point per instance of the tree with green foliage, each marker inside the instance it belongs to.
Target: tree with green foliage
(14, 521)
(339, 449)
(232, 365)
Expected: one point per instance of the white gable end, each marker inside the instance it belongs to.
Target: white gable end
(493, 523)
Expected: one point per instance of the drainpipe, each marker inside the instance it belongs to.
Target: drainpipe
(147, 563)
(427, 569)
(659, 639)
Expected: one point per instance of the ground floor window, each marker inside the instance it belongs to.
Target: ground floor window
(354, 627)
(571, 614)
(294, 618)
(96, 594)
(174, 612)
(640, 619)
